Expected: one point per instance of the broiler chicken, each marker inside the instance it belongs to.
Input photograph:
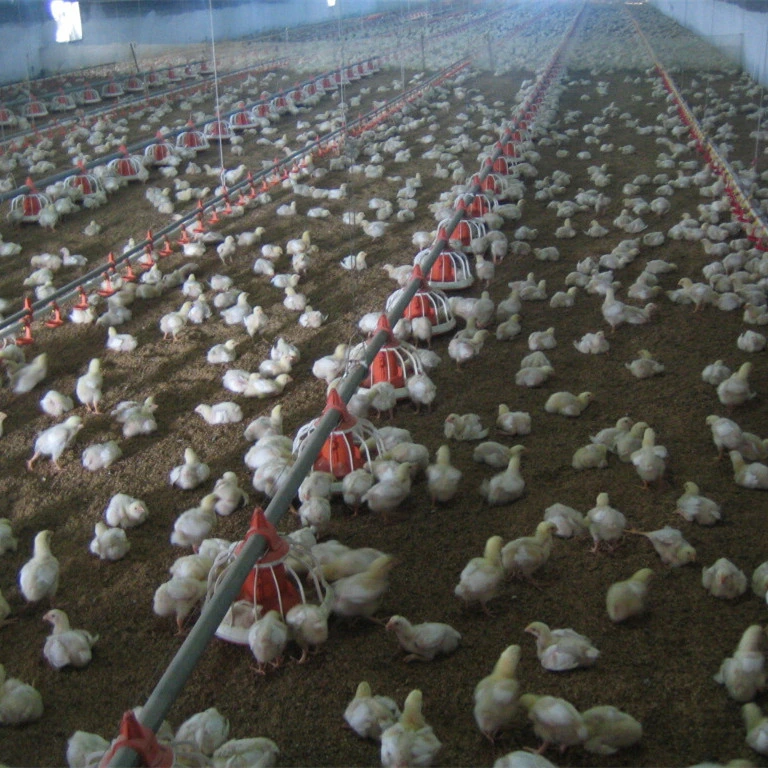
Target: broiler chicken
(410, 741)
(481, 578)
(562, 649)
(53, 441)
(178, 597)
(670, 545)
(308, 626)
(526, 555)
(609, 730)
(442, 477)
(24, 377)
(39, 577)
(88, 387)
(424, 641)
(267, 639)
(191, 473)
(66, 646)
(109, 543)
(496, 695)
(207, 730)
(229, 495)
(19, 702)
(743, 674)
(555, 721)
(625, 599)
(258, 752)
(195, 524)
(368, 715)
(723, 579)
(361, 593)
(504, 487)
(125, 511)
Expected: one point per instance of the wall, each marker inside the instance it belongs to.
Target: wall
(27, 47)
(727, 26)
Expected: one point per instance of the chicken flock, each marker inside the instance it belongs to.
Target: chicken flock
(507, 556)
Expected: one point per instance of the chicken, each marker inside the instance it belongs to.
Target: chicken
(523, 759)
(368, 715)
(229, 495)
(757, 727)
(724, 579)
(753, 475)
(24, 377)
(178, 597)
(504, 487)
(568, 521)
(562, 649)
(354, 486)
(644, 366)
(735, 390)
(308, 626)
(8, 542)
(625, 599)
(88, 386)
(172, 323)
(109, 543)
(494, 454)
(609, 730)
(496, 695)
(567, 404)
(386, 495)
(524, 556)
(54, 440)
(195, 524)
(361, 593)
(39, 577)
(482, 577)
(64, 646)
(410, 741)
(120, 342)
(124, 511)
(464, 427)
(462, 349)
(670, 545)
(83, 748)
(136, 418)
(442, 477)
(606, 524)
(268, 424)
(19, 702)
(424, 641)
(631, 441)
(331, 366)
(101, 455)
(555, 721)
(421, 390)
(55, 404)
(219, 354)
(726, 434)
(590, 456)
(207, 730)
(694, 507)
(715, 373)
(267, 639)
(225, 412)
(617, 313)
(512, 422)
(191, 473)
(258, 752)
(743, 674)
(649, 459)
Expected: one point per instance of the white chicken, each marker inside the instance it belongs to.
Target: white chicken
(178, 597)
(258, 752)
(19, 702)
(360, 594)
(53, 441)
(625, 599)
(504, 487)
(649, 459)
(723, 579)
(694, 507)
(56, 404)
(226, 412)
(555, 721)
(481, 578)
(191, 473)
(423, 642)
(308, 626)
(100, 455)
(229, 495)
(207, 730)
(66, 646)
(39, 577)
(109, 543)
(88, 386)
(195, 524)
(496, 695)
(562, 649)
(410, 741)
(267, 639)
(442, 477)
(368, 715)
(743, 674)
(125, 511)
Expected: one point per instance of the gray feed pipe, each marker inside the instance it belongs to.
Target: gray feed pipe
(178, 671)
(13, 323)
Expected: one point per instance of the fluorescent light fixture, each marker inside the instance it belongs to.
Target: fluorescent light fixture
(69, 27)
(331, 3)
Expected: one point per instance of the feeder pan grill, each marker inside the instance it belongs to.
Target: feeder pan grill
(62, 102)
(427, 302)
(112, 91)
(264, 111)
(281, 104)
(476, 206)
(128, 167)
(87, 183)
(395, 362)
(450, 272)
(7, 118)
(30, 205)
(173, 76)
(159, 153)
(219, 130)
(192, 140)
(242, 120)
(154, 80)
(34, 108)
(275, 582)
(463, 233)
(134, 85)
(90, 96)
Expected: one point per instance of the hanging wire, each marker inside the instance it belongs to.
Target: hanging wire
(216, 90)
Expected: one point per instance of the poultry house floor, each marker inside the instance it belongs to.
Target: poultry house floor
(658, 667)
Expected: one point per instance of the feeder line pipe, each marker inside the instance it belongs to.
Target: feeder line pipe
(181, 666)
(12, 324)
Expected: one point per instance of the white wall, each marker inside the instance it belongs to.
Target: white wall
(27, 50)
(725, 24)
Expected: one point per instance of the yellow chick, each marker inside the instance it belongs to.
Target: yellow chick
(591, 456)
(482, 576)
(735, 390)
(757, 727)
(513, 422)
(442, 477)
(567, 404)
(724, 579)
(496, 696)
(649, 459)
(670, 545)
(628, 442)
(562, 649)
(555, 721)
(361, 593)
(411, 740)
(753, 475)
(694, 507)
(424, 641)
(504, 487)
(609, 730)
(368, 715)
(743, 674)
(625, 599)
(524, 556)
